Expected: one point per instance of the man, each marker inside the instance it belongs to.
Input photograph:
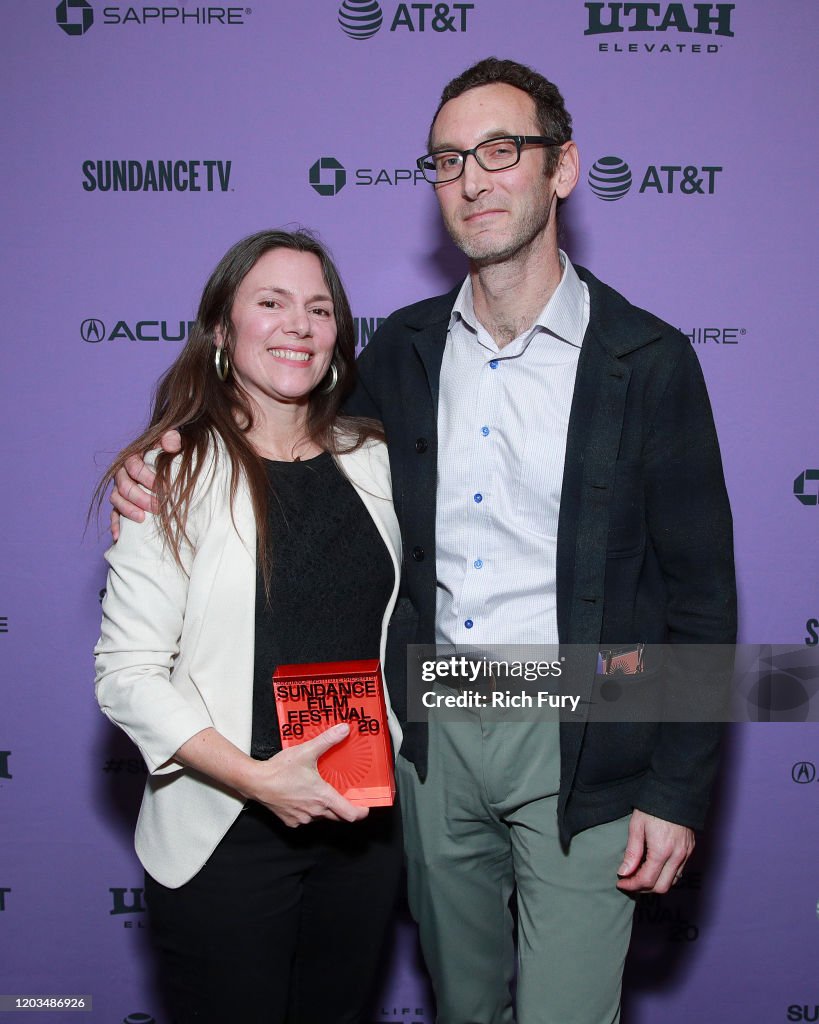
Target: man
(553, 460)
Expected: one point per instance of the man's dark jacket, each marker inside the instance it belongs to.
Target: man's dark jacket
(644, 545)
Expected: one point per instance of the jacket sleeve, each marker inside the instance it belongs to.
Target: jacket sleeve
(690, 526)
(139, 646)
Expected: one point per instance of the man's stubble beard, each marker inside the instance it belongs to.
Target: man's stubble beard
(490, 250)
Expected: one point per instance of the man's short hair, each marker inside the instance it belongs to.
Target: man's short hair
(553, 118)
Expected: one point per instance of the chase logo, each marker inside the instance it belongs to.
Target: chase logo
(92, 330)
(75, 17)
(610, 178)
(803, 772)
(360, 19)
(799, 487)
(319, 179)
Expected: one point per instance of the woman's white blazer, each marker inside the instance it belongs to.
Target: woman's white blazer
(175, 654)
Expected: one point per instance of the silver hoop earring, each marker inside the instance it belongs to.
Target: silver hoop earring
(333, 382)
(222, 362)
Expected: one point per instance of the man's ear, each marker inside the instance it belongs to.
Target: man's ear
(567, 172)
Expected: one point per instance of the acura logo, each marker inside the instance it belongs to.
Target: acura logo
(92, 330)
(803, 771)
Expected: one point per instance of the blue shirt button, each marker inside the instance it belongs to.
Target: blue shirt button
(494, 364)
(478, 563)
(469, 623)
(477, 498)
(485, 431)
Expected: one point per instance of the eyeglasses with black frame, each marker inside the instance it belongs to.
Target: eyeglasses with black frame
(442, 166)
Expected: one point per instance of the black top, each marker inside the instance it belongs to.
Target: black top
(331, 579)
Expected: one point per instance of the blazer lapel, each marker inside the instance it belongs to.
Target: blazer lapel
(429, 338)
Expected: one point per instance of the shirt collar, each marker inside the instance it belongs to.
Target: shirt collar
(563, 315)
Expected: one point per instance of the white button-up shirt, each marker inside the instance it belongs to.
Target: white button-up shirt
(503, 417)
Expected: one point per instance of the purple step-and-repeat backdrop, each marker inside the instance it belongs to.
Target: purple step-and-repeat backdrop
(142, 140)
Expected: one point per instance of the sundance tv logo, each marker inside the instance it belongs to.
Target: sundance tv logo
(156, 175)
(362, 19)
(611, 178)
(365, 327)
(94, 331)
(686, 20)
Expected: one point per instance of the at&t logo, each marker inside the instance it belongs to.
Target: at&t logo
(75, 17)
(611, 178)
(802, 491)
(803, 772)
(361, 19)
(93, 330)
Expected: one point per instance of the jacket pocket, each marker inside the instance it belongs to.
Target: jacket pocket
(614, 752)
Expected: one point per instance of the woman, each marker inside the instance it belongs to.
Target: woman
(274, 543)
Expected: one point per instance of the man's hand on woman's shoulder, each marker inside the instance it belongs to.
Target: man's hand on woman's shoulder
(133, 494)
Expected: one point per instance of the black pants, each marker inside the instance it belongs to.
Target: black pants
(280, 925)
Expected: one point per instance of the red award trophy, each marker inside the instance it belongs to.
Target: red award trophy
(312, 698)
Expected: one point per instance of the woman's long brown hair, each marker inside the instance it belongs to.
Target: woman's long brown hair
(205, 410)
